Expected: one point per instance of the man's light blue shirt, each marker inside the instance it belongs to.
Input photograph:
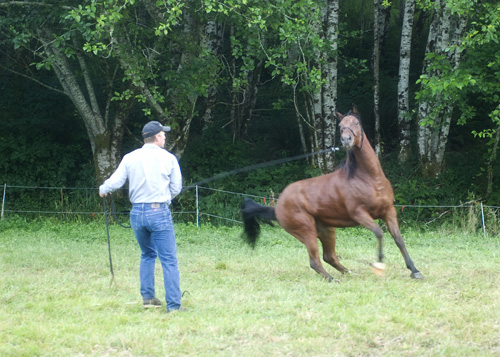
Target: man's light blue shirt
(153, 174)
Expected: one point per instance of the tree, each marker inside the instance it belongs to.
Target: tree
(211, 44)
(439, 88)
(41, 29)
(404, 82)
(329, 88)
(324, 94)
(113, 56)
(482, 68)
(297, 43)
(157, 44)
(381, 14)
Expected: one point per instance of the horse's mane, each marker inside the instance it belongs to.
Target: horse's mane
(349, 165)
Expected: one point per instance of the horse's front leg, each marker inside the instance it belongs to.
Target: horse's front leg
(364, 219)
(393, 227)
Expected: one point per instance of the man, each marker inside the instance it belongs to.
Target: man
(154, 178)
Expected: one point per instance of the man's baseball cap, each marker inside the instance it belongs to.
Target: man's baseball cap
(153, 128)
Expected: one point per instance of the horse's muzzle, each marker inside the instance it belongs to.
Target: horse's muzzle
(347, 140)
(347, 137)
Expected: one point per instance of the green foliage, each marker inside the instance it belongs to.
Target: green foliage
(40, 142)
(178, 72)
(483, 61)
(271, 32)
(477, 75)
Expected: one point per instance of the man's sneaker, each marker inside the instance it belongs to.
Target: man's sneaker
(154, 302)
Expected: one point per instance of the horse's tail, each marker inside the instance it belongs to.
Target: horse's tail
(251, 211)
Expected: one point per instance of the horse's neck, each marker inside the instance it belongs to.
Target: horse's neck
(367, 160)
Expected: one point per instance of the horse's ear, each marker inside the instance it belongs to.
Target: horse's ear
(355, 109)
(339, 115)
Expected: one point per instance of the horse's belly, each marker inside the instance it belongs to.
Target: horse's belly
(337, 222)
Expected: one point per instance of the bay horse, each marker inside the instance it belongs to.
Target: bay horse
(355, 194)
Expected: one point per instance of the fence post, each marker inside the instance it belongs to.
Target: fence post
(197, 209)
(482, 219)
(3, 200)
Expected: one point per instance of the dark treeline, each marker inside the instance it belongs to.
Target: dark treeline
(245, 82)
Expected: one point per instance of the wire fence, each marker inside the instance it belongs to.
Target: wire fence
(200, 205)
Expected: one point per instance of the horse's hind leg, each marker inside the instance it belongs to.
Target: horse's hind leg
(303, 228)
(327, 237)
(393, 227)
(311, 244)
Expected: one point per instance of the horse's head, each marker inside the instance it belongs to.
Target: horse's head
(351, 130)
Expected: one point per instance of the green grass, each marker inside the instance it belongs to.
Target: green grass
(56, 298)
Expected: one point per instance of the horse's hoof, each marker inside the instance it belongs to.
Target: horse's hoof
(378, 268)
(417, 275)
(332, 280)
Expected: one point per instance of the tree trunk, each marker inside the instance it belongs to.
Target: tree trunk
(303, 144)
(100, 136)
(330, 87)
(317, 97)
(244, 97)
(324, 100)
(491, 161)
(249, 100)
(380, 26)
(376, 72)
(436, 111)
(211, 40)
(403, 83)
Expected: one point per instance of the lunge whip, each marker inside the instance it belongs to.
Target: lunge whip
(109, 240)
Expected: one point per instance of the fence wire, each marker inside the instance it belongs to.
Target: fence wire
(198, 204)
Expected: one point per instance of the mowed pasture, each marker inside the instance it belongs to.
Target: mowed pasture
(56, 298)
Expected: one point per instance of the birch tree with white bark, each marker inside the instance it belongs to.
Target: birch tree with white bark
(404, 82)
(297, 42)
(438, 91)
(330, 84)
(324, 102)
(377, 5)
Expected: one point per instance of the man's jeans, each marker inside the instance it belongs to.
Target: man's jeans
(154, 230)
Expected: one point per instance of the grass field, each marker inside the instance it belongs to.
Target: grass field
(56, 298)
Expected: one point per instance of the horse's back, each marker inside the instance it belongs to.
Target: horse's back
(319, 198)
(304, 192)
